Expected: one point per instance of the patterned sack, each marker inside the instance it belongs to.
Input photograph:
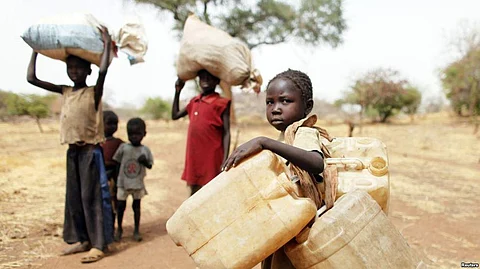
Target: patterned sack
(78, 34)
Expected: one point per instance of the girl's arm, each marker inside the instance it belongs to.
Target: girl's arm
(309, 161)
(104, 63)
(176, 112)
(32, 77)
(226, 133)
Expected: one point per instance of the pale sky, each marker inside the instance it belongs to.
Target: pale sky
(411, 36)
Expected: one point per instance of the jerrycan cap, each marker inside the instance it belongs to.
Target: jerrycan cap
(378, 166)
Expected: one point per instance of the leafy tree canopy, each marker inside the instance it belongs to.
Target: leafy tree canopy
(264, 21)
(383, 92)
(32, 105)
(461, 83)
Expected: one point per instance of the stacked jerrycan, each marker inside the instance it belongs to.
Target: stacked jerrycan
(242, 216)
(355, 233)
(362, 163)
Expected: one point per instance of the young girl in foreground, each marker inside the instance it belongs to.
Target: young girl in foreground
(289, 100)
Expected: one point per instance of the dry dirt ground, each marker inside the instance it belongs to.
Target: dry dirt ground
(435, 198)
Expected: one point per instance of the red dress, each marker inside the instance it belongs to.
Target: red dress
(204, 154)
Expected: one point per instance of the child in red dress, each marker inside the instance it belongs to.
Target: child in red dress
(208, 139)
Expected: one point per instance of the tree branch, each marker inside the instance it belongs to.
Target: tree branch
(265, 42)
(175, 14)
(205, 13)
(167, 6)
(263, 22)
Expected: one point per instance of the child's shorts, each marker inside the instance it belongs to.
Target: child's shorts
(123, 194)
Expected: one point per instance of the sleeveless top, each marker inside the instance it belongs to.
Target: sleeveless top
(79, 120)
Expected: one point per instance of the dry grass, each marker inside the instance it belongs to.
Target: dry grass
(32, 193)
(434, 165)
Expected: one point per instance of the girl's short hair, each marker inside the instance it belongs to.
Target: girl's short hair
(300, 80)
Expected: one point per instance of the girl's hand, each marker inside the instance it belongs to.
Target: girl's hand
(246, 150)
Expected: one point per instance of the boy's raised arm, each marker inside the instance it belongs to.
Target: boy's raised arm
(32, 77)
(176, 112)
(104, 63)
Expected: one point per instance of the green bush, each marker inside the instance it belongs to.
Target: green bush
(157, 108)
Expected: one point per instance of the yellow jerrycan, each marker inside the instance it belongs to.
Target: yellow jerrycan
(355, 233)
(362, 163)
(242, 216)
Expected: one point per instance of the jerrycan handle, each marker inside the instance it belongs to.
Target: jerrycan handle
(346, 162)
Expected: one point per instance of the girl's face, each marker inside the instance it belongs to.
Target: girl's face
(285, 104)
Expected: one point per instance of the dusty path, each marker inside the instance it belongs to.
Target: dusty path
(435, 172)
(166, 193)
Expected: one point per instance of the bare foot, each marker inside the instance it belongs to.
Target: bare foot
(118, 235)
(77, 248)
(137, 237)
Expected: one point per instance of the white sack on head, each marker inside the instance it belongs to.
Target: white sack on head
(78, 34)
(206, 47)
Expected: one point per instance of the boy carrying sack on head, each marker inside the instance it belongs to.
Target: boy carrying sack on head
(87, 205)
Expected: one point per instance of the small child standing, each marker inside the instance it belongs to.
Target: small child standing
(208, 138)
(87, 221)
(133, 158)
(110, 146)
